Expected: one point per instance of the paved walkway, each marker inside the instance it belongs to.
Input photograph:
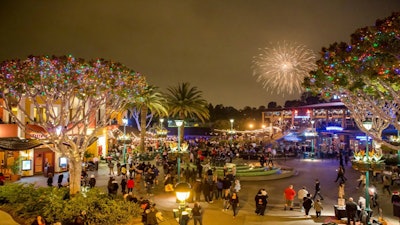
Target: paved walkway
(6, 219)
(308, 170)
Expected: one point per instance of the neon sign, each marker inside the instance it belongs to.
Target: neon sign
(334, 128)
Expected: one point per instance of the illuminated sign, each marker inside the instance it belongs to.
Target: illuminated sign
(26, 165)
(334, 128)
(310, 134)
(363, 138)
(302, 117)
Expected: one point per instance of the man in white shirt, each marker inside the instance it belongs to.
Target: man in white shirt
(301, 194)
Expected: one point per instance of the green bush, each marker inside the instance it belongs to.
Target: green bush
(251, 173)
(25, 202)
(247, 170)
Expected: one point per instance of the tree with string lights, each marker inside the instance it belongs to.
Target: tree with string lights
(365, 74)
(77, 98)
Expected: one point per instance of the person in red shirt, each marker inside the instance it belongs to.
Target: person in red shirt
(130, 184)
(289, 195)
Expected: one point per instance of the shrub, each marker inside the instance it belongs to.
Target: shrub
(25, 201)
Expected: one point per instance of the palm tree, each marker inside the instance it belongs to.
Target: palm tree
(152, 101)
(186, 102)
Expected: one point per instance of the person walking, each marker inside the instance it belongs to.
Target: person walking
(261, 202)
(237, 185)
(362, 180)
(318, 208)
(317, 190)
(340, 174)
(92, 181)
(234, 202)
(226, 184)
(301, 194)
(60, 179)
(123, 184)
(198, 188)
(114, 188)
(151, 218)
(386, 184)
(50, 180)
(351, 211)
(289, 195)
(130, 184)
(197, 213)
(111, 168)
(307, 205)
(207, 191)
(226, 197)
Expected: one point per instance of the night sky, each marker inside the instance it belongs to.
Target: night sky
(208, 43)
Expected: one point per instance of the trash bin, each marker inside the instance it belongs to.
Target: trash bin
(396, 209)
(176, 213)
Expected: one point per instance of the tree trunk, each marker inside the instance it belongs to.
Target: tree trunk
(143, 114)
(75, 170)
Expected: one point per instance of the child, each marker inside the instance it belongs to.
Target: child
(318, 208)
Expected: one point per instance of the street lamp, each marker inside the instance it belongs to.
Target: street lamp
(231, 131)
(182, 191)
(367, 125)
(312, 140)
(179, 123)
(125, 122)
(161, 130)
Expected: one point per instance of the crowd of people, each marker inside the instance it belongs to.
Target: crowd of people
(137, 178)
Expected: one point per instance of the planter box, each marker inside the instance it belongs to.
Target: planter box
(354, 164)
(15, 177)
(378, 166)
(363, 167)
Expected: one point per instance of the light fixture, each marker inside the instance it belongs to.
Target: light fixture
(182, 191)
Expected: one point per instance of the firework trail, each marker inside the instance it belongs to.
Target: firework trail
(282, 68)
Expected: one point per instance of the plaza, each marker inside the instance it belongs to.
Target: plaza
(307, 172)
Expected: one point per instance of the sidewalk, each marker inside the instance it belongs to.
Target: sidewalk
(308, 171)
(6, 219)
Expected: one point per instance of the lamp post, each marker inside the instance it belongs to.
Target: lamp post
(182, 191)
(367, 125)
(162, 130)
(312, 140)
(231, 131)
(125, 122)
(179, 123)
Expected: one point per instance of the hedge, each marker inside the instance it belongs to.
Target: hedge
(25, 201)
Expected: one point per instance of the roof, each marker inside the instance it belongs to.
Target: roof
(17, 144)
(313, 106)
(324, 105)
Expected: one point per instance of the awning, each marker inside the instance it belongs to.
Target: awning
(17, 144)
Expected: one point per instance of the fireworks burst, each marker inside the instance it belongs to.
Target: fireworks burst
(282, 69)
